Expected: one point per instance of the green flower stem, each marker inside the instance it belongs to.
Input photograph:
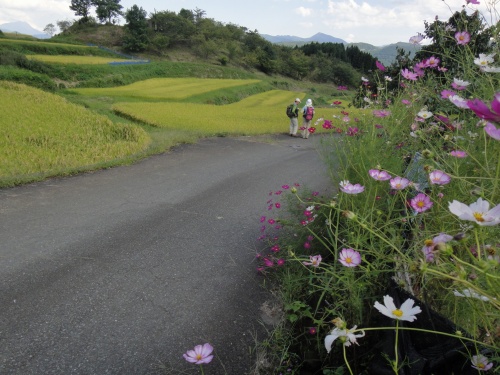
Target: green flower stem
(201, 369)
(395, 363)
(427, 331)
(479, 270)
(346, 361)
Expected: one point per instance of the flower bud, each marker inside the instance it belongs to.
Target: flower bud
(428, 154)
(333, 203)
(293, 190)
(349, 214)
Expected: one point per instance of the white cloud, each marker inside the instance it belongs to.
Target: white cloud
(304, 12)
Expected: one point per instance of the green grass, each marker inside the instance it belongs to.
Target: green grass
(66, 59)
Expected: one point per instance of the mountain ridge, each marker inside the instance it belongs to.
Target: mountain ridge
(23, 28)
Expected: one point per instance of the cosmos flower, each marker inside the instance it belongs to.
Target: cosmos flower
(458, 154)
(469, 293)
(416, 39)
(492, 131)
(406, 312)
(459, 101)
(445, 94)
(409, 75)
(459, 84)
(462, 37)
(438, 177)
(380, 66)
(482, 110)
(421, 203)
(350, 258)
(200, 355)
(315, 261)
(345, 335)
(432, 62)
(381, 113)
(479, 212)
(349, 188)
(480, 362)
(399, 183)
(424, 114)
(484, 60)
(430, 245)
(379, 175)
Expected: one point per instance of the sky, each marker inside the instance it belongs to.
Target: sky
(377, 22)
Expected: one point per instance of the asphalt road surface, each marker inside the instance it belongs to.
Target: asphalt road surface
(123, 270)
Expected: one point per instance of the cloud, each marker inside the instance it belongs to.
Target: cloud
(304, 12)
(38, 13)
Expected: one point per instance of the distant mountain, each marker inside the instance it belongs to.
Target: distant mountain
(319, 38)
(385, 54)
(23, 28)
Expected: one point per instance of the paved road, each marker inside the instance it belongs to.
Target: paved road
(121, 271)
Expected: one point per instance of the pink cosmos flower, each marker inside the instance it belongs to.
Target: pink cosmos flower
(337, 102)
(428, 249)
(200, 355)
(481, 109)
(432, 62)
(462, 37)
(314, 260)
(459, 84)
(399, 183)
(381, 113)
(349, 188)
(492, 131)
(405, 102)
(352, 131)
(445, 94)
(379, 175)
(280, 262)
(327, 124)
(350, 258)
(479, 212)
(341, 88)
(286, 187)
(380, 66)
(438, 177)
(409, 75)
(472, 2)
(458, 101)
(458, 154)
(480, 363)
(421, 203)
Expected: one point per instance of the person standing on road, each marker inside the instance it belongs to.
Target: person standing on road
(294, 118)
(307, 114)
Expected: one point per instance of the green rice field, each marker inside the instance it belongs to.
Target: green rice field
(74, 59)
(44, 134)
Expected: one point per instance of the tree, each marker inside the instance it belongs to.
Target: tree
(50, 29)
(64, 25)
(107, 10)
(81, 8)
(136, 38)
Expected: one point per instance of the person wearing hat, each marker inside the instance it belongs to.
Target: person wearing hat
(307, 114)
(294, 120)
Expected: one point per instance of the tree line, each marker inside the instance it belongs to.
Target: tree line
(227, 43)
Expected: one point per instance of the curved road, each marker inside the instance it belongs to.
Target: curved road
(122, 270)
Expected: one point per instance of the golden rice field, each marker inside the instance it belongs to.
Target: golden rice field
(167, 88)
(42, 133)
(74, 59)
(259, 114)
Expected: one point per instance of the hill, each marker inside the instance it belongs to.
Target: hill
(319, 38)
(23, 28)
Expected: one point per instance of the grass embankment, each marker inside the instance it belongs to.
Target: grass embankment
(44, 135)
(65, 59)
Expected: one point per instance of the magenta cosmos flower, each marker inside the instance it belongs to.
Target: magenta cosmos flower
(200, 355)
(381, 113)
(462, 37)
(421, 203)
(438, 177)
(314, 260)
(482, 110)
(399, 183)
(380, 66)
(379, 175)
(349, 188)
(492, 131)
(350, 258)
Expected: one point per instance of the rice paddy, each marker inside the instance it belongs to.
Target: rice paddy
(74, 59)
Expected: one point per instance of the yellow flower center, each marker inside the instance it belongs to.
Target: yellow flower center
(478, 216)
(428, 242)
(198, 357)
(348, 260)
(398, 185)
(420, 204)
(398, 313)
(481, 365)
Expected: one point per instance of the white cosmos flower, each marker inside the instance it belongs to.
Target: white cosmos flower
(346, 336)
(484, 60)
(471, 294)
(424, 114)
(458, 101)
(478, 212)
(490, 69)
(406, 312)
(460, 82)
